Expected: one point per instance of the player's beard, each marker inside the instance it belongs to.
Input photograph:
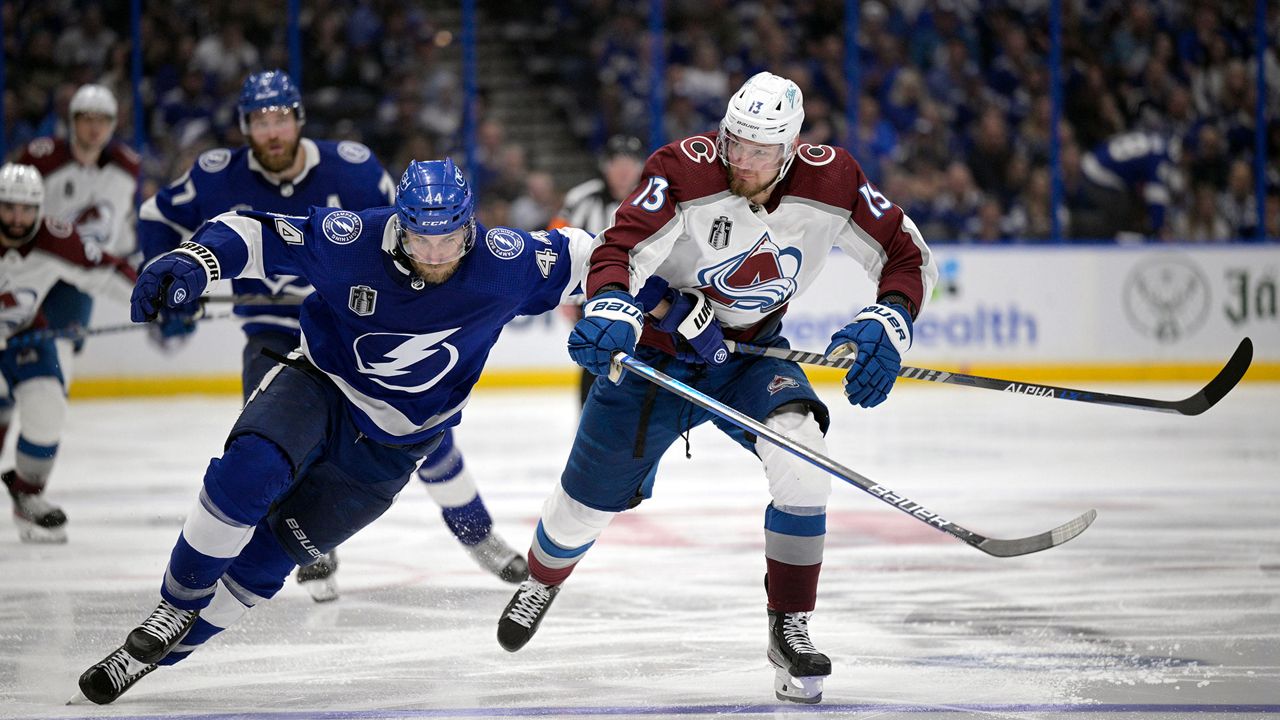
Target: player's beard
(436, 274)
(16, 235)
(279, 160)
(747, 188)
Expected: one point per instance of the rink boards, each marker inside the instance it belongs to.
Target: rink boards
(1039, 314)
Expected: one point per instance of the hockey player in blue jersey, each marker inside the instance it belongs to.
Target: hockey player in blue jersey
(1133, 180)
(408, 302)
(281, 171)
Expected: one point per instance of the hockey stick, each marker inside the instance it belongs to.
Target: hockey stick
(1207, 397)
(990, 546)
(76, 333)
(254, 299)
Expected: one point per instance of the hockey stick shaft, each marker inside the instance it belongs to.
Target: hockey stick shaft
(991, 546)
(76, 333)
(253, 299)
(1207, 397)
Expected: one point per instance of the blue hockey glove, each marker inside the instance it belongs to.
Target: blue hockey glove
(880, 334)
(611, 322)
(174, 280)
(652, 294)
(692, 318)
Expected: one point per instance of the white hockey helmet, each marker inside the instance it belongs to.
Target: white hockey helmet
(21, 185)
(94, 99)
(767, 109)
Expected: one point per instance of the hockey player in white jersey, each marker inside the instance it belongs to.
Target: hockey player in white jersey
(90, 181)
(408, 302)
(281, 171)
(738, 222)
(35, 254)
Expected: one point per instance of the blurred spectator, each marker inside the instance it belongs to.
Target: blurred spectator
(225, 55)
(1239, 205)
(86, 42)
(534, 208)
(1202, 222)
(991, 152)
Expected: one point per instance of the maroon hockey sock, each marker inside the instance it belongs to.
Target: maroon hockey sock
(546, 575)
(17, 484)
(792, 588)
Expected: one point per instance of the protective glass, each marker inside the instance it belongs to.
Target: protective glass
(751, 156)
(436, 249)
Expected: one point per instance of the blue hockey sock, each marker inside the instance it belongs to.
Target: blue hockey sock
(470, 523)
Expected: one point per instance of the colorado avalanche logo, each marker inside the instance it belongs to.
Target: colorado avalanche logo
(94, 223)
(761, 278)
(408, 363)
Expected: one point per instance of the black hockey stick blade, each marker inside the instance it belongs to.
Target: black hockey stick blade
(1036, 543)
(1227, 378)
(1206, 398)
(992, 546)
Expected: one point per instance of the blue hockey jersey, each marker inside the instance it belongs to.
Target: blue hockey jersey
(336, 174)
(1137, 162)
(405, 354)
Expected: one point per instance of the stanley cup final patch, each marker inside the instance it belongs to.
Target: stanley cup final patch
(719, 237)
(362, 300)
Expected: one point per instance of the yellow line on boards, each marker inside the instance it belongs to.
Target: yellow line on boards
(113, 387)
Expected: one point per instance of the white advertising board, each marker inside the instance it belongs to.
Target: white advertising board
(1005, 305)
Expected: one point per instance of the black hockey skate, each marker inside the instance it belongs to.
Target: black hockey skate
(109, 679)
(800, 667)
(320, 578)
(38, 520)
(524, 613)
(495, 555)
(155, 637)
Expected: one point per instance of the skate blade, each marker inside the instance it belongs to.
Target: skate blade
(807, 690)
(29, 532)
(79, 699)
(323, 590)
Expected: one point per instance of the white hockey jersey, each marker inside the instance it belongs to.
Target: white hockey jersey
(55, 253)
(682, 223)
(97, 199)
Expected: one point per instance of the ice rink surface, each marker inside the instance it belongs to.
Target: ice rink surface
(1168, 607)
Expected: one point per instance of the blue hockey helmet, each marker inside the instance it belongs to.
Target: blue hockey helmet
(433, 199)
(266, 90)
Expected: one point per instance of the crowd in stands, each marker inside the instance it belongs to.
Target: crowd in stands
(953, 117)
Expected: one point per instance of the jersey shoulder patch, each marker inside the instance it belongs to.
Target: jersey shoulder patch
(353, 152)
(215, 160)
(341, 227)
(504, 243)
(46, 154)
(58, 228)
(699, 149)
(691, 167)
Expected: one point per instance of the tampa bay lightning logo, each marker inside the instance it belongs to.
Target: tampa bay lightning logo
(404, 362)
(341, 226)
(761, 278)
(504, 242)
